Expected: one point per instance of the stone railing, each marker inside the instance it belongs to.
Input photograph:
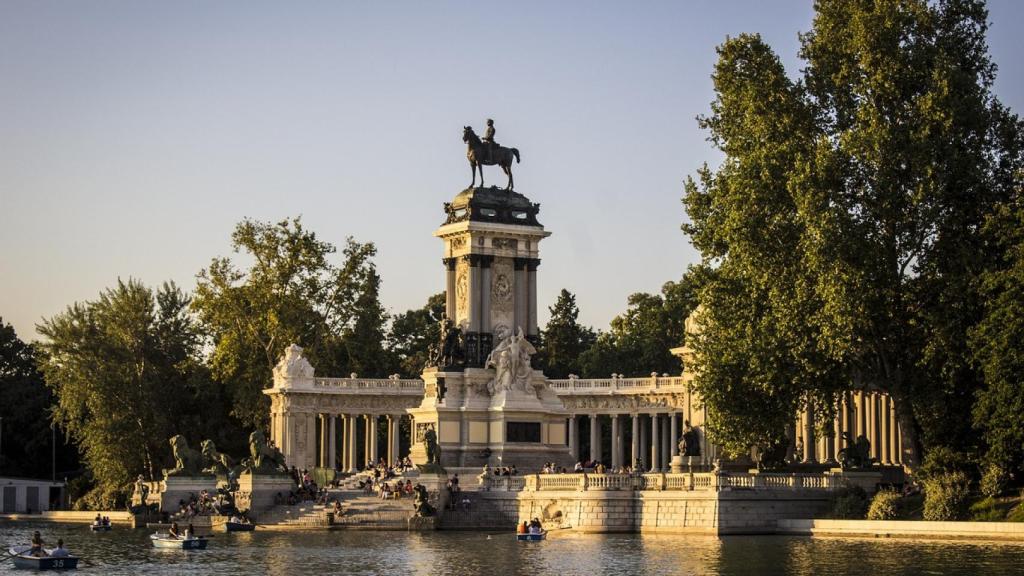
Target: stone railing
(617, 384)
(698, 481)
(503, 483)
(407, 386)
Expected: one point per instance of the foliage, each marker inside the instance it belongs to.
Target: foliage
(843, 226)
(639, 340)
(564, 340)
(885, 505)
(849, 503)
(122, 371)
(987, 510)
(1016, 514)
(942, 460)
(291, 293)
(996, 343)
(946, 495)
(25, 415)
(994, 480)
(414, 332)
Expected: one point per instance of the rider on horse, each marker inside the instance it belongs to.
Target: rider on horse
(488, 139)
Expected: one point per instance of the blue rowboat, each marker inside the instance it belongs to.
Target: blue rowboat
(531, 537)
(239, 527)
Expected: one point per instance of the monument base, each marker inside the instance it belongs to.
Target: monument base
(257, 493)
(177, 489)
(422, 524)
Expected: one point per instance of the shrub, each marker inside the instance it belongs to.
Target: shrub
(941, 460)
(1016, 515)
(945, 495)
(994, 480)
(849, 503)
(987, 510)
(885, 505)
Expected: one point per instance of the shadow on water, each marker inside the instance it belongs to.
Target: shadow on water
(128, 552)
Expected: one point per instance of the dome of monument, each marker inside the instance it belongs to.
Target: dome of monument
(492, 204)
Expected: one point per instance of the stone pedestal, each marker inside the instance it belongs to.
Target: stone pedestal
(257, 493)
(677, 464)
(174, 489)
(478, 423)
(866, 479)
(417, 524)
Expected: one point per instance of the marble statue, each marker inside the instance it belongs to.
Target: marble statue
(293, 365)
(263, 458)
(511, 362)
(217, 463)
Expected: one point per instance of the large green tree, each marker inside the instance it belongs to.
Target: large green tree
(848, 208)
(413, 333)
(27, 444)
(123, 371)
(290, 293)
(564, 339)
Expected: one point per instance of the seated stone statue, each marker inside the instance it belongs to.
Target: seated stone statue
(217, 463)
(422, 504)
(187, 462)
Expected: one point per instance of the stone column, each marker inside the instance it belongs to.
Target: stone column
(485, 296)
(531, 282)
(656, 443)
(520, 309)
(311, 423)
(810, 443)
(862, 415)
(645, 446)
(837, 434)
(389, 448)
(615, 441)
(894, 444)
(574, 441)
(885, 433)
(474, 293)
(635, 453)
(325, 441)
(673, 434)
(332, 455)
(595, 438)
(351, 425)
(873, 422)
(449, 264)
(374, 448)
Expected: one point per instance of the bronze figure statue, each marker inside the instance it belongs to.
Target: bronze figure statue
(433, 448)
(187, 462)
(487, 153)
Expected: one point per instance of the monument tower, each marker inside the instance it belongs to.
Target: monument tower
(483, 400)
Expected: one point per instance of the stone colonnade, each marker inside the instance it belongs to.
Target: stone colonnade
(861, 413)
(645, 439)
(334, 439)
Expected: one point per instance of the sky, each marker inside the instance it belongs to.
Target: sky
(134, 135)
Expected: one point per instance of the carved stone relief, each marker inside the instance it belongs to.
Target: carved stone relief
(462, 293)
(505, 243)
(502, 278)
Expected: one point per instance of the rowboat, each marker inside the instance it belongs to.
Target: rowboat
(100, 527)
(239, 527)
(531, 537)
(170, 542)
(23, 560)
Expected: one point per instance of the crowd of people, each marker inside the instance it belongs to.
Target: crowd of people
(205, 504)
(531, 527)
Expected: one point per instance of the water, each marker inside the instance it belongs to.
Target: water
(129, 552)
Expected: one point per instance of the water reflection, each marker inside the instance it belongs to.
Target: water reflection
(128, 552)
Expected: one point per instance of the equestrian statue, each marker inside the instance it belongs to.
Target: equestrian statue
(487, 152)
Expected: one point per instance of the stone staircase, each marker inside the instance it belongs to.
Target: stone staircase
(305, 515)
(369, 511)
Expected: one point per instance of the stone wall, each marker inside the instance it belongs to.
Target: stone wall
(700, 511)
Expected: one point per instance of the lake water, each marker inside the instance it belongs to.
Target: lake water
(128, 552)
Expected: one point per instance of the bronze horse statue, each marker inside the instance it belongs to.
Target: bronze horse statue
(479, 156)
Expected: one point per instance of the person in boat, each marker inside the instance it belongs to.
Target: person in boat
(60, 551)
(173, 531)
(190, 532)
(37, 545)
(98, 521)
(106, 520)
(522, 528)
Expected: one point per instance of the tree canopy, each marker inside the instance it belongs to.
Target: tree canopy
(843, 229)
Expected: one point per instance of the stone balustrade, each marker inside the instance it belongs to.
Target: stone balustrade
(661, 482)
(572, 386)
(405, 386)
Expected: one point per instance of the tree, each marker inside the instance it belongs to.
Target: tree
(414, 332)
(850, 203)
(640, 339)
(996, 344)
(121, 370)
(25, 401)
(564, 340)
(291, 293)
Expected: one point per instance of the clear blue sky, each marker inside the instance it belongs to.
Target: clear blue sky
(134, 135)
